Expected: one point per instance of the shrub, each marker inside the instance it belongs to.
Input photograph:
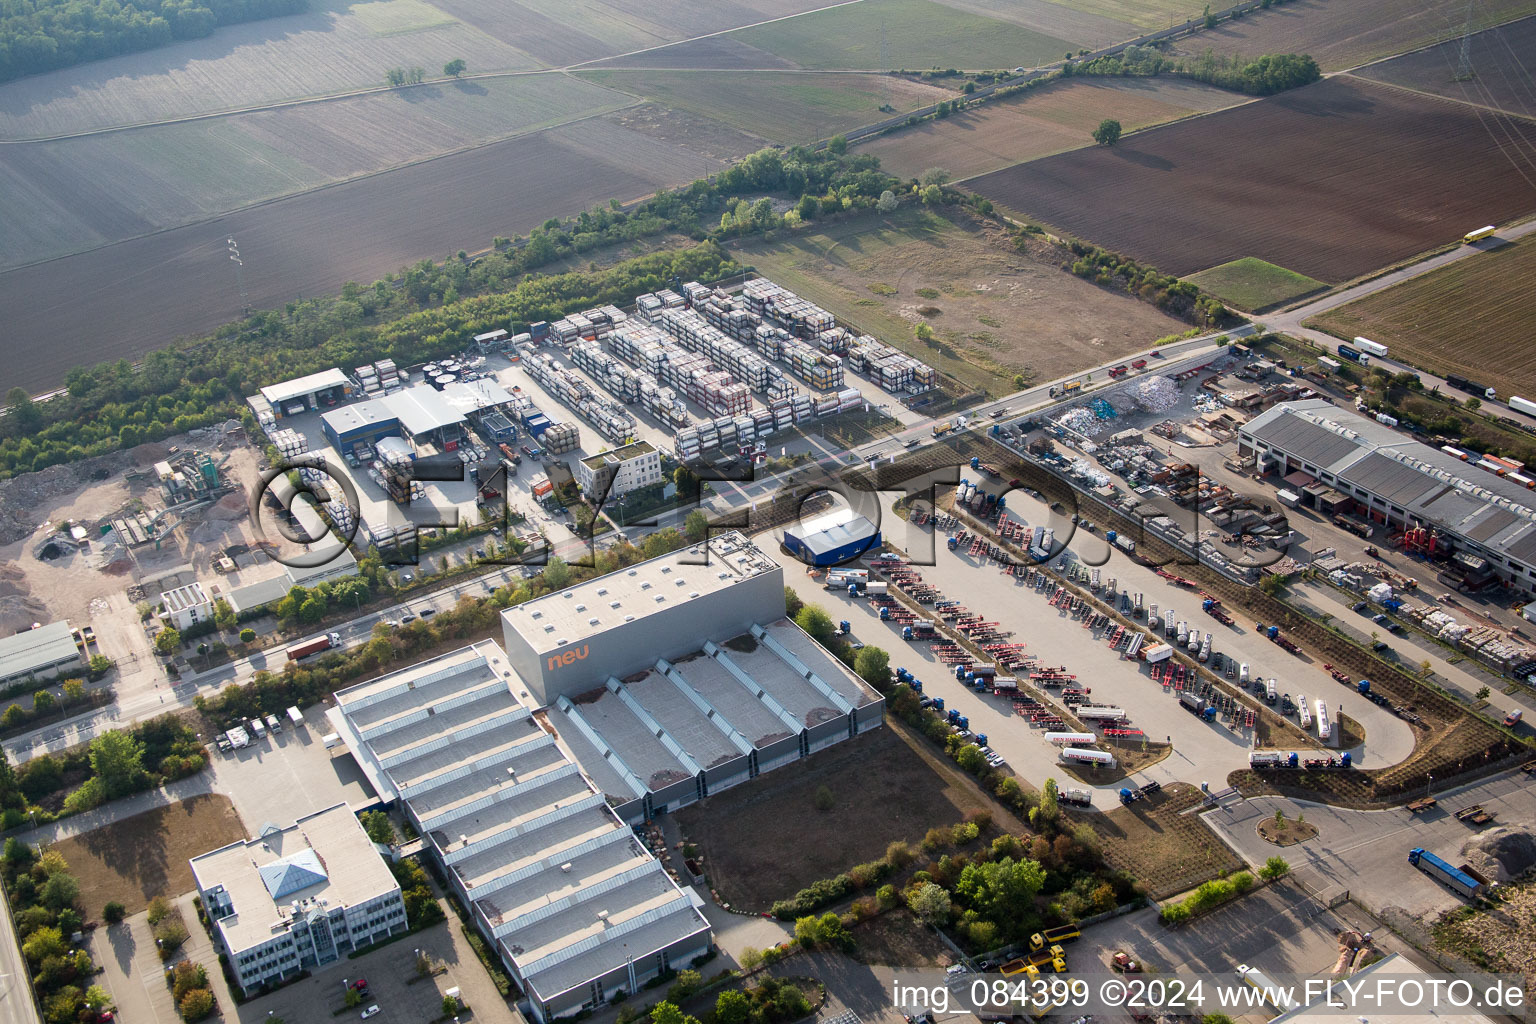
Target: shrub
(196, 1004)
(157, 910)
(113, 912)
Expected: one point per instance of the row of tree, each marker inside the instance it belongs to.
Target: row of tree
(42, 35)
(1257, 76)
(45, 908)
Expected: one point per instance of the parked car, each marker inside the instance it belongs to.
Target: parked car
(370, 1011)
(1360, 606)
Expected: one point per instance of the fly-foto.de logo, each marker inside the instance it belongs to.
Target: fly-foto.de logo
(569, 657)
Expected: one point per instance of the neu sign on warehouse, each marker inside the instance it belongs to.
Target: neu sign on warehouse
(569, 657)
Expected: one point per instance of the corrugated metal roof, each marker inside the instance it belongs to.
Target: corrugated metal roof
(36, 650)
(1432, 487)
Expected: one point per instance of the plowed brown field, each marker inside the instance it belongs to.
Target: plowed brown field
(1332, 181)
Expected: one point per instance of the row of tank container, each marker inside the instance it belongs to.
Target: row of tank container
(632, 386)
(378, 377)
(651, 305)
(697, 335)
(891, 369)
(822, 370)
(803, 319)
(689, 372)
(560, 438)
(779, 415)
(289, 442)
(590, 324)
(611, 421)
(342, 516)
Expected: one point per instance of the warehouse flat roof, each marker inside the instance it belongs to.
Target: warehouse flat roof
(325, 855)
(537, 847)
(373, 415)
(700, 735)
(583, 611)
(733, 700)
(610, 779)
(303, 387)
(37, 650)
(422, 409)
(642, 751)
(469, 396)
(818, 659)
(774, 676)
(1433, 487)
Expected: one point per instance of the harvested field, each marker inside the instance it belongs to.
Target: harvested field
(158, 287)
(1342, 34)
(1500, 78)
(1425, 321)
(1143, 15)
(1166, 850)
(563, 32)
(1331, 181)
(887, 786)
(335, 47)
(136, 859)
(1038, 123)
(1000, 312)
(789, 108)
(919, 34)
(1253, 286)
(72, 194)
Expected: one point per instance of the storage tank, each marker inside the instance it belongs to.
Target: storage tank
(1070, 739)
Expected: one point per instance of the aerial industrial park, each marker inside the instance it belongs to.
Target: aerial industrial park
(892, 511)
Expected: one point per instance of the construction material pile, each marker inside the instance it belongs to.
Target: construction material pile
(1502, 854)
(1081, 421)
(1155, 394)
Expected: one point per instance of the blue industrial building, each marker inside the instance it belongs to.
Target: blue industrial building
(833, 538)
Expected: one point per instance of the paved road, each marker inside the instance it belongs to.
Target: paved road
(1290, 321)
(1366, 852)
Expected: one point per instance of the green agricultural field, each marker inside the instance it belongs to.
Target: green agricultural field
(333, 48)
(788, 108)
(53, 201)
(919, 34)
(1253, 285)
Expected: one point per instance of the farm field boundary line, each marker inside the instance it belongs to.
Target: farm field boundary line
(258, 204)
(372, 90)
(710, 35)
(1456, 34)
(1499, 111)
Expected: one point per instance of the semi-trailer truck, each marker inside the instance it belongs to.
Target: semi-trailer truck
(1522, 405)
(1470, 387)
(315, 645)
(1354, 355)
(1375, 348)
(1453, 878)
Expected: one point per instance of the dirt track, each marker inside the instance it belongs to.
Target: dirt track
(127, 299)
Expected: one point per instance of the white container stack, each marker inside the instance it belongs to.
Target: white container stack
(389, 376)
(559, 438)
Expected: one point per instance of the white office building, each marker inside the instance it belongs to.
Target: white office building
(298, 898)
(629, 468)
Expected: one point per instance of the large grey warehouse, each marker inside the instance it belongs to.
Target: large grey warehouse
(1400, 481)
(614, 701)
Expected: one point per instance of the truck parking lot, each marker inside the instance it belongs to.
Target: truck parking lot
(1202, 752)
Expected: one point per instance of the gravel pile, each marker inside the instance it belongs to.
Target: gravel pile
(1503, 853)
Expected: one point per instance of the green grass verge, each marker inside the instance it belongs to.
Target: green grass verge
(1253, 285)
(919, 34)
